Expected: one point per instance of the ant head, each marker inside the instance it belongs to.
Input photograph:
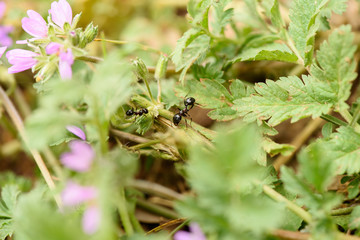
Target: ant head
(141, 111)
(190, 101)
(145, 111)
(177, 119)
(130, 112)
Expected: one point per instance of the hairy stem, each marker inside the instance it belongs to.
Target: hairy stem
(124, 215)
(15, 117)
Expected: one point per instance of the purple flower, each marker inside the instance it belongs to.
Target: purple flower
(65, 62)
(74, 194)
(35, 25)
(80, 157)
(91, 220)
(76, 131)
(21, 60)
(61, 13)
(194, 234)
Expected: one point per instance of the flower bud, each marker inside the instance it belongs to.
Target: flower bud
(161, 67)
(90, 32)
(140, 69)
(67, 27)
(75, 20)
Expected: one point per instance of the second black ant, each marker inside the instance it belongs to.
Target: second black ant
(188, 102)
(131, 112)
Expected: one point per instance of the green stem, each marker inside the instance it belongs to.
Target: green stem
(162, 211)
(103, 44)
(142, 46)
(290, 205)
(147, 144)
(342, 211)
(149, 91)
(179, 227)
(356, 116)
(333, 120)
(347, 116)
(124, 215)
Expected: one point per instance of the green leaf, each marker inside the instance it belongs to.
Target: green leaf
(110, 85)
(273, 148)
(270, 52)
(221, 16)
(211, 94)
(286, 98)
(9, 195)
(236, 209)
(198, 10)
(304, 24)
(334, 63)
(317, 167)
(345, 148)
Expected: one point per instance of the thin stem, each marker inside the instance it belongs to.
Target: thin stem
(15, 117)
(103, 46)
(290, 205)
(155, 189)
(347, 116)
(124, 215)
(142, 46)
(162, 211)
(148, 89)
(356, 116)
(333, 120)
(146, 144)
(298, 142)
(179, 227)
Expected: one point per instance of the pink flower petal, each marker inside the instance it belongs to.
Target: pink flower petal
(53, 47)
(2, 9)
(61, 13)
(21, 60)
(35, 25)
(65, 62)
(194, 234)
(21, 41)
(80, 157)
(77, 131)
(74, 194)
(2, 50)
(91, 220)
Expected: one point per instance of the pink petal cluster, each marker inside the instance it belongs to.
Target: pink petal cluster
(66, 59)
(194, 234)
(61, 13)
(80, 157)
(75, 194)
(21, 60)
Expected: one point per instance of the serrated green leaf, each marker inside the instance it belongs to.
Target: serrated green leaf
(228, 210)
(221, 16)
(270, 52)
(345, 148)
(211, 94)
(304, 24)
(286, 98)
(334, 63)
(317, 167)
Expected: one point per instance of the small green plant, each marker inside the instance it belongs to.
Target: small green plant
(103, 117)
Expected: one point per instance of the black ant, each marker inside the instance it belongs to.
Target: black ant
(190, 101)
(131, 112)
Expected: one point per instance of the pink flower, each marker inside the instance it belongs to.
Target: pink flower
(53, 48)
(80, 157)
(77, 131)
(2, 50)
(21, 60)
(91, 220)
(194, 234)
(74, 194)
(2, 9)
(35, 25)
(61, 13)
(65, 62)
